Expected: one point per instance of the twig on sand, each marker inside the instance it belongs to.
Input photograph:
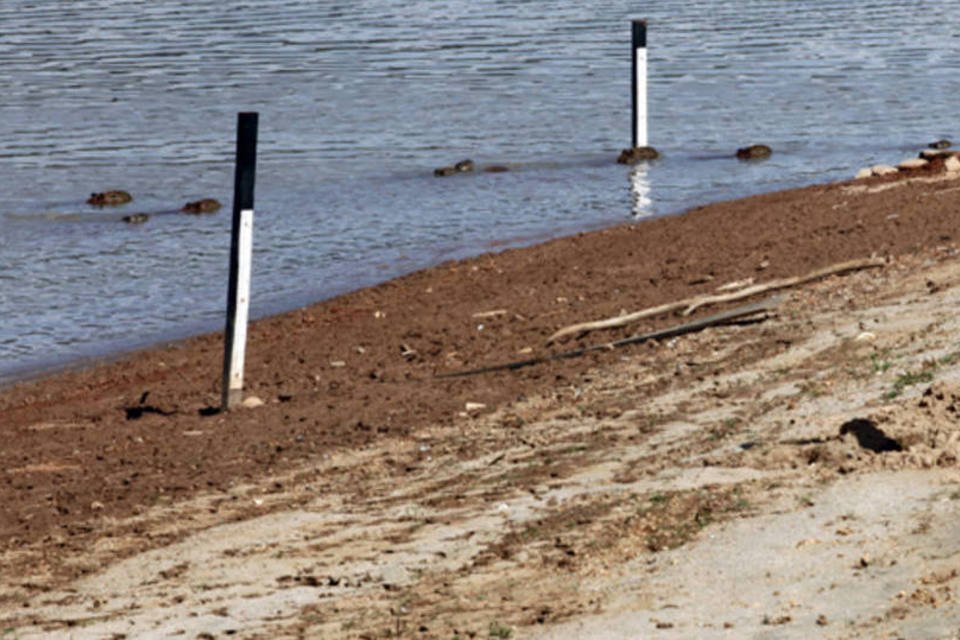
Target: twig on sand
(739, 314)
(692, 304)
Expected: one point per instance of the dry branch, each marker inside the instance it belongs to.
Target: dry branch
(740, 314)
(692, 304)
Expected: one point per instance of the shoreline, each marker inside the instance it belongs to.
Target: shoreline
(107, 467)
(361, 366)
(604, 493)
(114, 350)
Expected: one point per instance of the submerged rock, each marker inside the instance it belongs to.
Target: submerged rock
(754, 152)
(207, 205)
(496, 168)
(109, 198)
(464, 166)
(637, 154)
(136, 218)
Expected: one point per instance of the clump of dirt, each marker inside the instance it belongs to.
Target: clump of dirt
(920, 433)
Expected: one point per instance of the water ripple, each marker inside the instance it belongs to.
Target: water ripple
(360, 100)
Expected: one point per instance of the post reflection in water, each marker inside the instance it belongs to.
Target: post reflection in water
(640, 191)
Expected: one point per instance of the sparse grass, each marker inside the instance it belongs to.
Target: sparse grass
(879, 362)
(907, 379)
(926, 373)
(951, 358)
(498, 630)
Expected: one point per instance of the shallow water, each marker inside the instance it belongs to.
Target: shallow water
(360, 100)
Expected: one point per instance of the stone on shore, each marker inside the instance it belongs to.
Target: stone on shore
(883, 170)
(637, 154)
(109, 198)
(930, 154)
(952, 164)
(913, 164)
(252, 402)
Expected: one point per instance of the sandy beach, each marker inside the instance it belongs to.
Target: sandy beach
(716, 484)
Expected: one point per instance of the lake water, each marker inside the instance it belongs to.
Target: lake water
(360, 100)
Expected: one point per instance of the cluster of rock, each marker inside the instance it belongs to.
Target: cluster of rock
(467, 166)
(643, 154)
(937, 158)
(118, 197)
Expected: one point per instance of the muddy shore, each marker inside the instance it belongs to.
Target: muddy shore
(87, 451)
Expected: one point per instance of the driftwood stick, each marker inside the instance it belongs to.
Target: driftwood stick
(618, 321)
(783, 283)
(690, 305)
(724, 317)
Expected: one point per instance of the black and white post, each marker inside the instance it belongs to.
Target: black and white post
(640, 83)
(241, 254)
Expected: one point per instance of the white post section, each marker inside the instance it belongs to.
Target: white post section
(241, 313)
(241, 257)
(640, 84)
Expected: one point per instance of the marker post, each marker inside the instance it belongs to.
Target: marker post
(639, 83)
(241, 254)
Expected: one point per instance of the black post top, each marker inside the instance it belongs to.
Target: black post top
(639, 33)
(246, 160)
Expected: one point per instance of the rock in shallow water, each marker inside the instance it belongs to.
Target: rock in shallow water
(207, 205)
(136, 218)
(637, 154)
(109, 198)
(754, 152)
(464, 166)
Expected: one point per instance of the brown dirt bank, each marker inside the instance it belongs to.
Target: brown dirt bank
(85, 447)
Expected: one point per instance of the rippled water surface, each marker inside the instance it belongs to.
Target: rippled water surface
(360, 100)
